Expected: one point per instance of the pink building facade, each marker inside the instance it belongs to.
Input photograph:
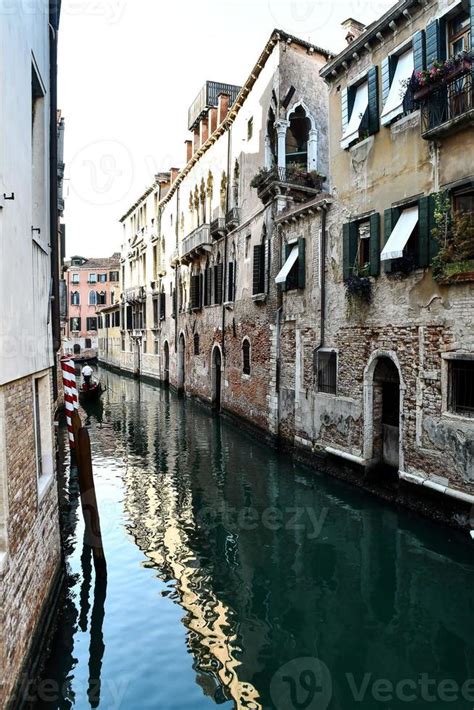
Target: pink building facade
(91, 285)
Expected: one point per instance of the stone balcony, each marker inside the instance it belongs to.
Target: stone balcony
(195, 244)
(296, 184)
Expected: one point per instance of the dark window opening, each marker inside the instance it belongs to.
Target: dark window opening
(297, 138)
(326, 372)
(461, 387)
(459, 34)
(101, 298)
(246, 357)
(196, 343)
(250, 128)
(88, 343)
(463, 203)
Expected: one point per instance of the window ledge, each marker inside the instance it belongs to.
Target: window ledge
(459, 418)
(403, 123)
(259, 297)
(44, 484)
(245, 378)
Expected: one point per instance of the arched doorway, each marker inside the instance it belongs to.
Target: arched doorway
(386, 413)
(166, 369)
(181, 355)
(216, 378)
(77, 349)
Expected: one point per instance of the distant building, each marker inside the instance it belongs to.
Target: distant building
(30, 335)
(91, 284)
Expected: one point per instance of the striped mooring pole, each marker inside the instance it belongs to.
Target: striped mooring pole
(70, 395)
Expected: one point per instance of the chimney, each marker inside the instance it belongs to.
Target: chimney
(174, 174)
(212, 120)
(189, 150)
(223, 101)
(203, 130)
(196, 143)
(353, 29)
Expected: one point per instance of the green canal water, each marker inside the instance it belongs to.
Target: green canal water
(239, 578)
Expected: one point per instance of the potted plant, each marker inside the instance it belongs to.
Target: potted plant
(358, 286)
(423, 82)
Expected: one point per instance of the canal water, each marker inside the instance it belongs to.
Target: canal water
(237, 577)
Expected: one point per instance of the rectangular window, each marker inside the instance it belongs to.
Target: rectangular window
(91, 323)
(403, 230)
(75, 278)
(459, 34)
(258, 269)
(358, 96)
(92, 278)
(102, 278)
(461, 387)
(363, 247)
(75, 324)
(404, 67)
(326, 371)
(113, 276)
(42, 430)
(144, 346)
(463, 203)
(292, 274)
(156, 347)
(123, 344)
(156, 318)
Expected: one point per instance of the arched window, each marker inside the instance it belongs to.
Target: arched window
(92, 298)
(271, 140)
(246, 356)
(75, 299)
(196, 343)
(101, 298)
(297, 137)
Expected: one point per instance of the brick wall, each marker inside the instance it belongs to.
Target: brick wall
(33, 546)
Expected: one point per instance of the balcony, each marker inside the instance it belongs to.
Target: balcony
(448, 108)
(196, 243)
(218, 227)
(135, 295)
(293, 182)
(232, 218)
(207, 98)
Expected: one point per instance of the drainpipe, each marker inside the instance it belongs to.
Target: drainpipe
(279, 314)
(322, 328)
(53, 185)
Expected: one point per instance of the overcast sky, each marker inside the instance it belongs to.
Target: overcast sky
(129, 69)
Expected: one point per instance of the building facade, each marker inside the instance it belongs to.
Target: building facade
(30, 324)
(90, 285)
(310, 271)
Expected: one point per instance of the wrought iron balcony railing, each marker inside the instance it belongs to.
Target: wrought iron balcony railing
(448, 107)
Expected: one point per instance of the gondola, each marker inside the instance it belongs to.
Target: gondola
(92, 393)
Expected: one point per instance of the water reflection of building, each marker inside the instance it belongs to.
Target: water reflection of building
(363, 595)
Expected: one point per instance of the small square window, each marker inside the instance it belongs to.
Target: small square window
(461, 387)
(75, 278)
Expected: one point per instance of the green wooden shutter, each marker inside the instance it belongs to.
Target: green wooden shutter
(388, 72)
(200, 288)
(389, 223)
(349, 248)
(301, 263)
(433, 242)
(375, 244)
(423, 255)
(230, 281)
(419, 50)
(257, 269)
(373, 109)
(344, 109)
(472, 25)
(435, 42)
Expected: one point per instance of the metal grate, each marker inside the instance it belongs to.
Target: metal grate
(461, 395)
(450, 101)
(326, 371)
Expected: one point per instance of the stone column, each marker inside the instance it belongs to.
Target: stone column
(281, 129)
(313, 149)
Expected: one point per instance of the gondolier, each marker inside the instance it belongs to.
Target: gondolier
(87, 372)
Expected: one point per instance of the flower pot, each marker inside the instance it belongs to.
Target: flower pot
(424, 91)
